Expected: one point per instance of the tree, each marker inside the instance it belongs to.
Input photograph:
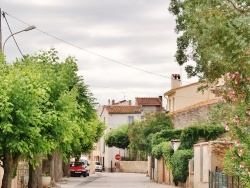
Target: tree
(118, 137)
(46, 107)
(141, 133)
(215, 34)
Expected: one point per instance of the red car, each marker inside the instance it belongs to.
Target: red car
(77, 169)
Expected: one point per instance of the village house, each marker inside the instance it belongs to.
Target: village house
(120, 113)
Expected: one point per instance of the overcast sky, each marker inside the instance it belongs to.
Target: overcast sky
(125, 49)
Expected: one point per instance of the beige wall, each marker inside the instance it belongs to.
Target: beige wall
(14, 181)
(186, 96)
(132, 166)
(207, 158)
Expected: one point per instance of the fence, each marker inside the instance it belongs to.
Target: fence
(221, 180)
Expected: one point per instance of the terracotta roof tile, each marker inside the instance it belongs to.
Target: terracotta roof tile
(148, 101)
(123, 109)
(200, 104)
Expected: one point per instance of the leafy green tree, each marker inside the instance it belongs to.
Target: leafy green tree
(118, 137)
(141, 133)
(45, 106)
(215, 34)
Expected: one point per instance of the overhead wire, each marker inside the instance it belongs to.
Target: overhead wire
(93, 53)
(11, 33)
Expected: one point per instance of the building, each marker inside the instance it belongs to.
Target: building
(180, 97)
(120, 113)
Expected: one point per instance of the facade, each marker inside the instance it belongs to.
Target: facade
(180, 97)
(117, 114)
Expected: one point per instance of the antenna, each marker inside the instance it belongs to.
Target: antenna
(180, 75)
(124, 95)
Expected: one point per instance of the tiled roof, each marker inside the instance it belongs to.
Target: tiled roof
(200, 104)
(148, 101)
(123, 109)
(173, 90)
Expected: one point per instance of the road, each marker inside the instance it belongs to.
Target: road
(111, 180)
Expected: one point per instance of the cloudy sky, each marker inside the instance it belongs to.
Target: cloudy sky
(125, 49)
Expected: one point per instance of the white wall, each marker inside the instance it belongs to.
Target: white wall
(113, 121)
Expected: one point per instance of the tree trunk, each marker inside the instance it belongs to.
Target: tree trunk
(66, 169)
(53, 167)
(10, 163)
(35, 176)
(58, 172)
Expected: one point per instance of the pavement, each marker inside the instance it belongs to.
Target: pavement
(110, 180)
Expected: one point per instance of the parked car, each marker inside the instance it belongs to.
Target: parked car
(78, 168)
(98, 166)
(86, 164)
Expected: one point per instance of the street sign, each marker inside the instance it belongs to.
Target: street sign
(118, 157)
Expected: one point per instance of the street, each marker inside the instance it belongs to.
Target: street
(108, 180)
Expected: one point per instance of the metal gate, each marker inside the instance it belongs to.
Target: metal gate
(221, 180)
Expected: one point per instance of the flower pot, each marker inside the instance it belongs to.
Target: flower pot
(46, 181)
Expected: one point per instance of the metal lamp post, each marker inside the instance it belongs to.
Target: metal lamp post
(27, 29)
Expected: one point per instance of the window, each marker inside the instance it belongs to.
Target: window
(130, 119)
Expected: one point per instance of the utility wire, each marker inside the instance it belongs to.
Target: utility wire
(11, 33)
(93, 53)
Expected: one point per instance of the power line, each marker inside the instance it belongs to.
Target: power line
(11, 33)
(93, 53)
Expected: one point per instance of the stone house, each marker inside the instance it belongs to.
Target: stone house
(186, 106)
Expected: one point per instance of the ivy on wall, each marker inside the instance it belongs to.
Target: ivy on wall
(191, 135)
(179, 163)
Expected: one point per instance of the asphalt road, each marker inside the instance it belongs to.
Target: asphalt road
(111, 180)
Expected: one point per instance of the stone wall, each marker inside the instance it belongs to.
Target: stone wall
(188, 116)
(132, 166)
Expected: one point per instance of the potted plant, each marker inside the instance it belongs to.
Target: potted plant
(46, 179)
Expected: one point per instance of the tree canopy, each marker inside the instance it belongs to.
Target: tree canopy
(214, 34)
(45, 106)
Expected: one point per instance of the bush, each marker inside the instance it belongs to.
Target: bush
(191, 135)
(165, 136)
(179, 163)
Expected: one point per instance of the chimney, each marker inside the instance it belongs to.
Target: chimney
(175, 81)
(109, 102)
(160, 97)
(129, 102)
(113, 102)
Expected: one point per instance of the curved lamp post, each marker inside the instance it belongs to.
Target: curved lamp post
(27, 29)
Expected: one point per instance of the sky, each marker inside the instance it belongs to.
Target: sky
(124, 49)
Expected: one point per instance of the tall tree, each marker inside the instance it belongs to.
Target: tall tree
(215, 34)
(45, 108)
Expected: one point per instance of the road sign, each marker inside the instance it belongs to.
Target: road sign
(118, 157)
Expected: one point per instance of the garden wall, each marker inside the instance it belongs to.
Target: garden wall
(132, 166)
(187, 116)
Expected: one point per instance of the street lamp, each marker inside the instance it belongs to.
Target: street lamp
(175, 144)
(27, 29)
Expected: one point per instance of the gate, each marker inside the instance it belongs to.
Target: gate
(221, 180)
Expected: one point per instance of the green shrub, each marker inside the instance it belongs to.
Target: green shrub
(164, 149)
(191, 135)
(118, 137)
(165, 136)
(179, 163)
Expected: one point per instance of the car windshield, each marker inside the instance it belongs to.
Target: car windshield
(97, 163)
(77, 164)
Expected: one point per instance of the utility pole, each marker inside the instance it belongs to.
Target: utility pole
(1, 44)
